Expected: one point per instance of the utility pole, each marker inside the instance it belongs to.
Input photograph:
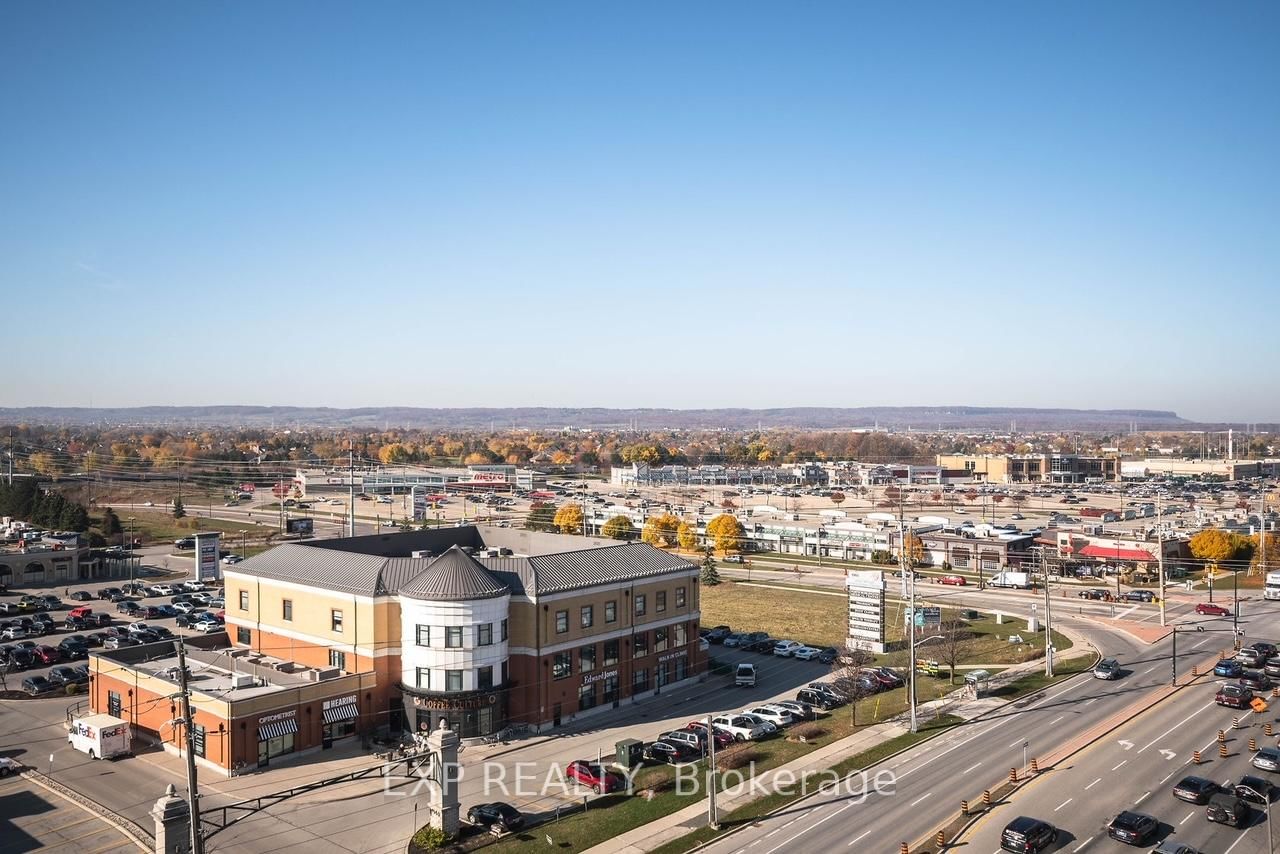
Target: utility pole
(1160, 550)
(1048, 639)
(351, 484)
(193, 797)
(713, 818)
(909, 576)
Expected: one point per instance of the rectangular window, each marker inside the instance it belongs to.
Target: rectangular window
(679, 597)
(484, 634)
(588, 616)
(660, 601)
(587, 659)
(659, 640)
(113, 703)
(504, 629)
(338, 659)
(453, 637)
(587, 697)
(335, 620)
(244, 600)
(611, 611)
(504, 673)
(197, 740)
(424, 678)
(484, 678)
(610, 653)
(681, 637)
(453, 680)
(562, 665)
(286, 610)
(640, 680)
(640, 644)
(640, 605)
(424, 636)
(243, 636)
(562, 622)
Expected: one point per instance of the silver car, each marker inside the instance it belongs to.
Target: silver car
(1268, 759)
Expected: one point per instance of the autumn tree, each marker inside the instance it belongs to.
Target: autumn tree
(971, 496)
(728, 504)
(915, 550)
(837, 498)
(660, 531)
(1212, 545)
(619, 528)
(726, 532)
(1271, 554)
(541, 517)
(569, 519)
(687, 535)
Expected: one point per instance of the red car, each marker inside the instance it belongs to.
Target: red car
(723, 739)
(47, 654)
(1212, 610)
(594, 776)
(958, 580)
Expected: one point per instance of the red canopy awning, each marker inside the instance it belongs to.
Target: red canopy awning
(1112, 553)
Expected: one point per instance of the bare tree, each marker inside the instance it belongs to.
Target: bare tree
(847, 673)
(953, 639)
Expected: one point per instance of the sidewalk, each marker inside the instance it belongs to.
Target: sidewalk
(656, 833)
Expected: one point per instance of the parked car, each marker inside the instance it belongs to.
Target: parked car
(36, 685)
(769, 726)
(594, 776)
(128, 607)
(1107, 668)
(193, 586)
(207, 626)
(64, 675)
(46, 654)
(827, 655)
(73, 649)
(184, 607)
(20, 657)
(1133, 828)
(1255, 680)
(81, 596)
(957, 580)
(1170, 846)
(779, 717)
(799, 711)
(1194, 790)
(723, 739)
(95, 639)
(120, 642)
(1026, 834)
(13, 631)
(740, 727)
(9, 766)
(1229, 668)
(806, 653)
(672, 752)
(108, 592)
(1211, 610)
(784, 649)
(718, 634)
(732, 640)
(160, 590)
(497, 814)
(1265, 649)
(1227, 809)
(1250, 657)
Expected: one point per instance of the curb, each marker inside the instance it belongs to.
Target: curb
(128, 827)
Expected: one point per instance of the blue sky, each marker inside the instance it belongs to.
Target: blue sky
(713, 204)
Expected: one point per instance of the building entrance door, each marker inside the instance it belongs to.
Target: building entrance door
(555, 715)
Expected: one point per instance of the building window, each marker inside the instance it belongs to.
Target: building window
(660, 601)
(453, 637)
(681, 637)
(424, 636)
(640, 644)
(244, 600)
(588, 616)
(505, 675)
(587, 697)
(197, 740)
(338, 659)
(562, 622)
(504, 629)
(659, 640)
(243, 635)
(610, 653)
(587, 659)
(335, 620)
(562, 665)
(484, 634)
(679, 597)
(453, 680)
(611, 611)
(484, 678)
(113, 703)
(640, 605)
(640, 680)
(286, 610)
(424, 678)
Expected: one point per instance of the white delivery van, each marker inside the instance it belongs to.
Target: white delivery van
(100, 736)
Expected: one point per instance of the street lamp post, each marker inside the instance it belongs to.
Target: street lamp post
(1266, 805)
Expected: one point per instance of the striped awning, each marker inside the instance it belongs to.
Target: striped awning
(344, 712)
(275, 729)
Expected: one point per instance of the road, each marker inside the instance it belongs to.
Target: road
(933, 778)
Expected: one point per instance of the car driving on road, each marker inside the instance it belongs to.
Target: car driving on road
(1133, 828)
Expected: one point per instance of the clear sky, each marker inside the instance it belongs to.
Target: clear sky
(642, 204)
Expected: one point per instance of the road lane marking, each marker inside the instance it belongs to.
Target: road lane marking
(1237, 842)
(857, 838)
(1063, 804)
(1088, 701)
(970, 768)
(1055, 720)
(1141, 799)
(1185, 820)
(1019, 742)
(1167, 776)
(791, 839)
(1094, 783)
(921, 798)
(1148, 670)
(1082, 845)
(1118, 766)
(978, 734)
(1199, 644)
(1178, 724)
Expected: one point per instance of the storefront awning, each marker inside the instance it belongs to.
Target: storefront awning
(275, 729)
(1115, 553)
(344, 712)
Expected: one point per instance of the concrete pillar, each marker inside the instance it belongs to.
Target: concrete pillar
(173, 823)
(443, 799)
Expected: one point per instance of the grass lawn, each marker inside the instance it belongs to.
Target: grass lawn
(158, 527)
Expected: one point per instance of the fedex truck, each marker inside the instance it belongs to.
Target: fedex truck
(1015, 580)
(1272, 588)
(100, 736)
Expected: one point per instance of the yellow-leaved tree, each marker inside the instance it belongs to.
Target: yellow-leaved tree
(688, 536)
(726, 532)
(619, 528)
(569, 519)
(660, 531)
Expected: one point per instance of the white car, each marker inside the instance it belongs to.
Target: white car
(207, 626)
(184, 607)
(774, 715)
(769, 726)
(785, 648)
(193, 586)
(13, 631)
(201, 598)
(335, 502)
(139, 626)
(161, 590)
(9, 766)
(741, 728)
(231, 559)
(1017, 517)
(805, 653)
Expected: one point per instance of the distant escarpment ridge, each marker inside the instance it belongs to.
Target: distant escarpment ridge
(916, 418)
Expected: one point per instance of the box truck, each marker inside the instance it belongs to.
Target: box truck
(1017, 580)
(100, 736)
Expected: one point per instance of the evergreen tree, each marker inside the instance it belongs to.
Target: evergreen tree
(178, 510)
(111, 524)
(710, 575)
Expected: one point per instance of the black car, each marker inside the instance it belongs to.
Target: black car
(53, 603)
(184, 621)
(100, 620)
(718, 634)
(817, 699)
(672, 752)
(75, 624)
(128, 607)
(81, 596)
(95, 639)
(1025, 834)
(827, 655)
(145, 636)
(1253, 789)
(36, 685)
(765, 645)
(19, 657)
(72, 649)
(1140, 596)
(167, 610)
(64, 675)
(1133, 828)
(152, 612)
(1255, 680)
(108, 592)
(503, 815)
(1195, 790)
(162, 632)
(1228, 809)
(1266, 649)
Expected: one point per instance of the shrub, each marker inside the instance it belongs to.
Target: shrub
(430, 838)
(737, 756)
(808, 731)
(654, 780)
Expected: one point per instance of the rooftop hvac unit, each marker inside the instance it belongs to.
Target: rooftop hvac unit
(242, 680)
(420, 553)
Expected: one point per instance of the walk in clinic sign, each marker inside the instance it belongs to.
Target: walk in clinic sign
(866, 609)
(207, 568)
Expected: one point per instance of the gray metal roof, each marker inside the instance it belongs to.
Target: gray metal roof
(455, 576)
(553, 573)
(324, 568)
